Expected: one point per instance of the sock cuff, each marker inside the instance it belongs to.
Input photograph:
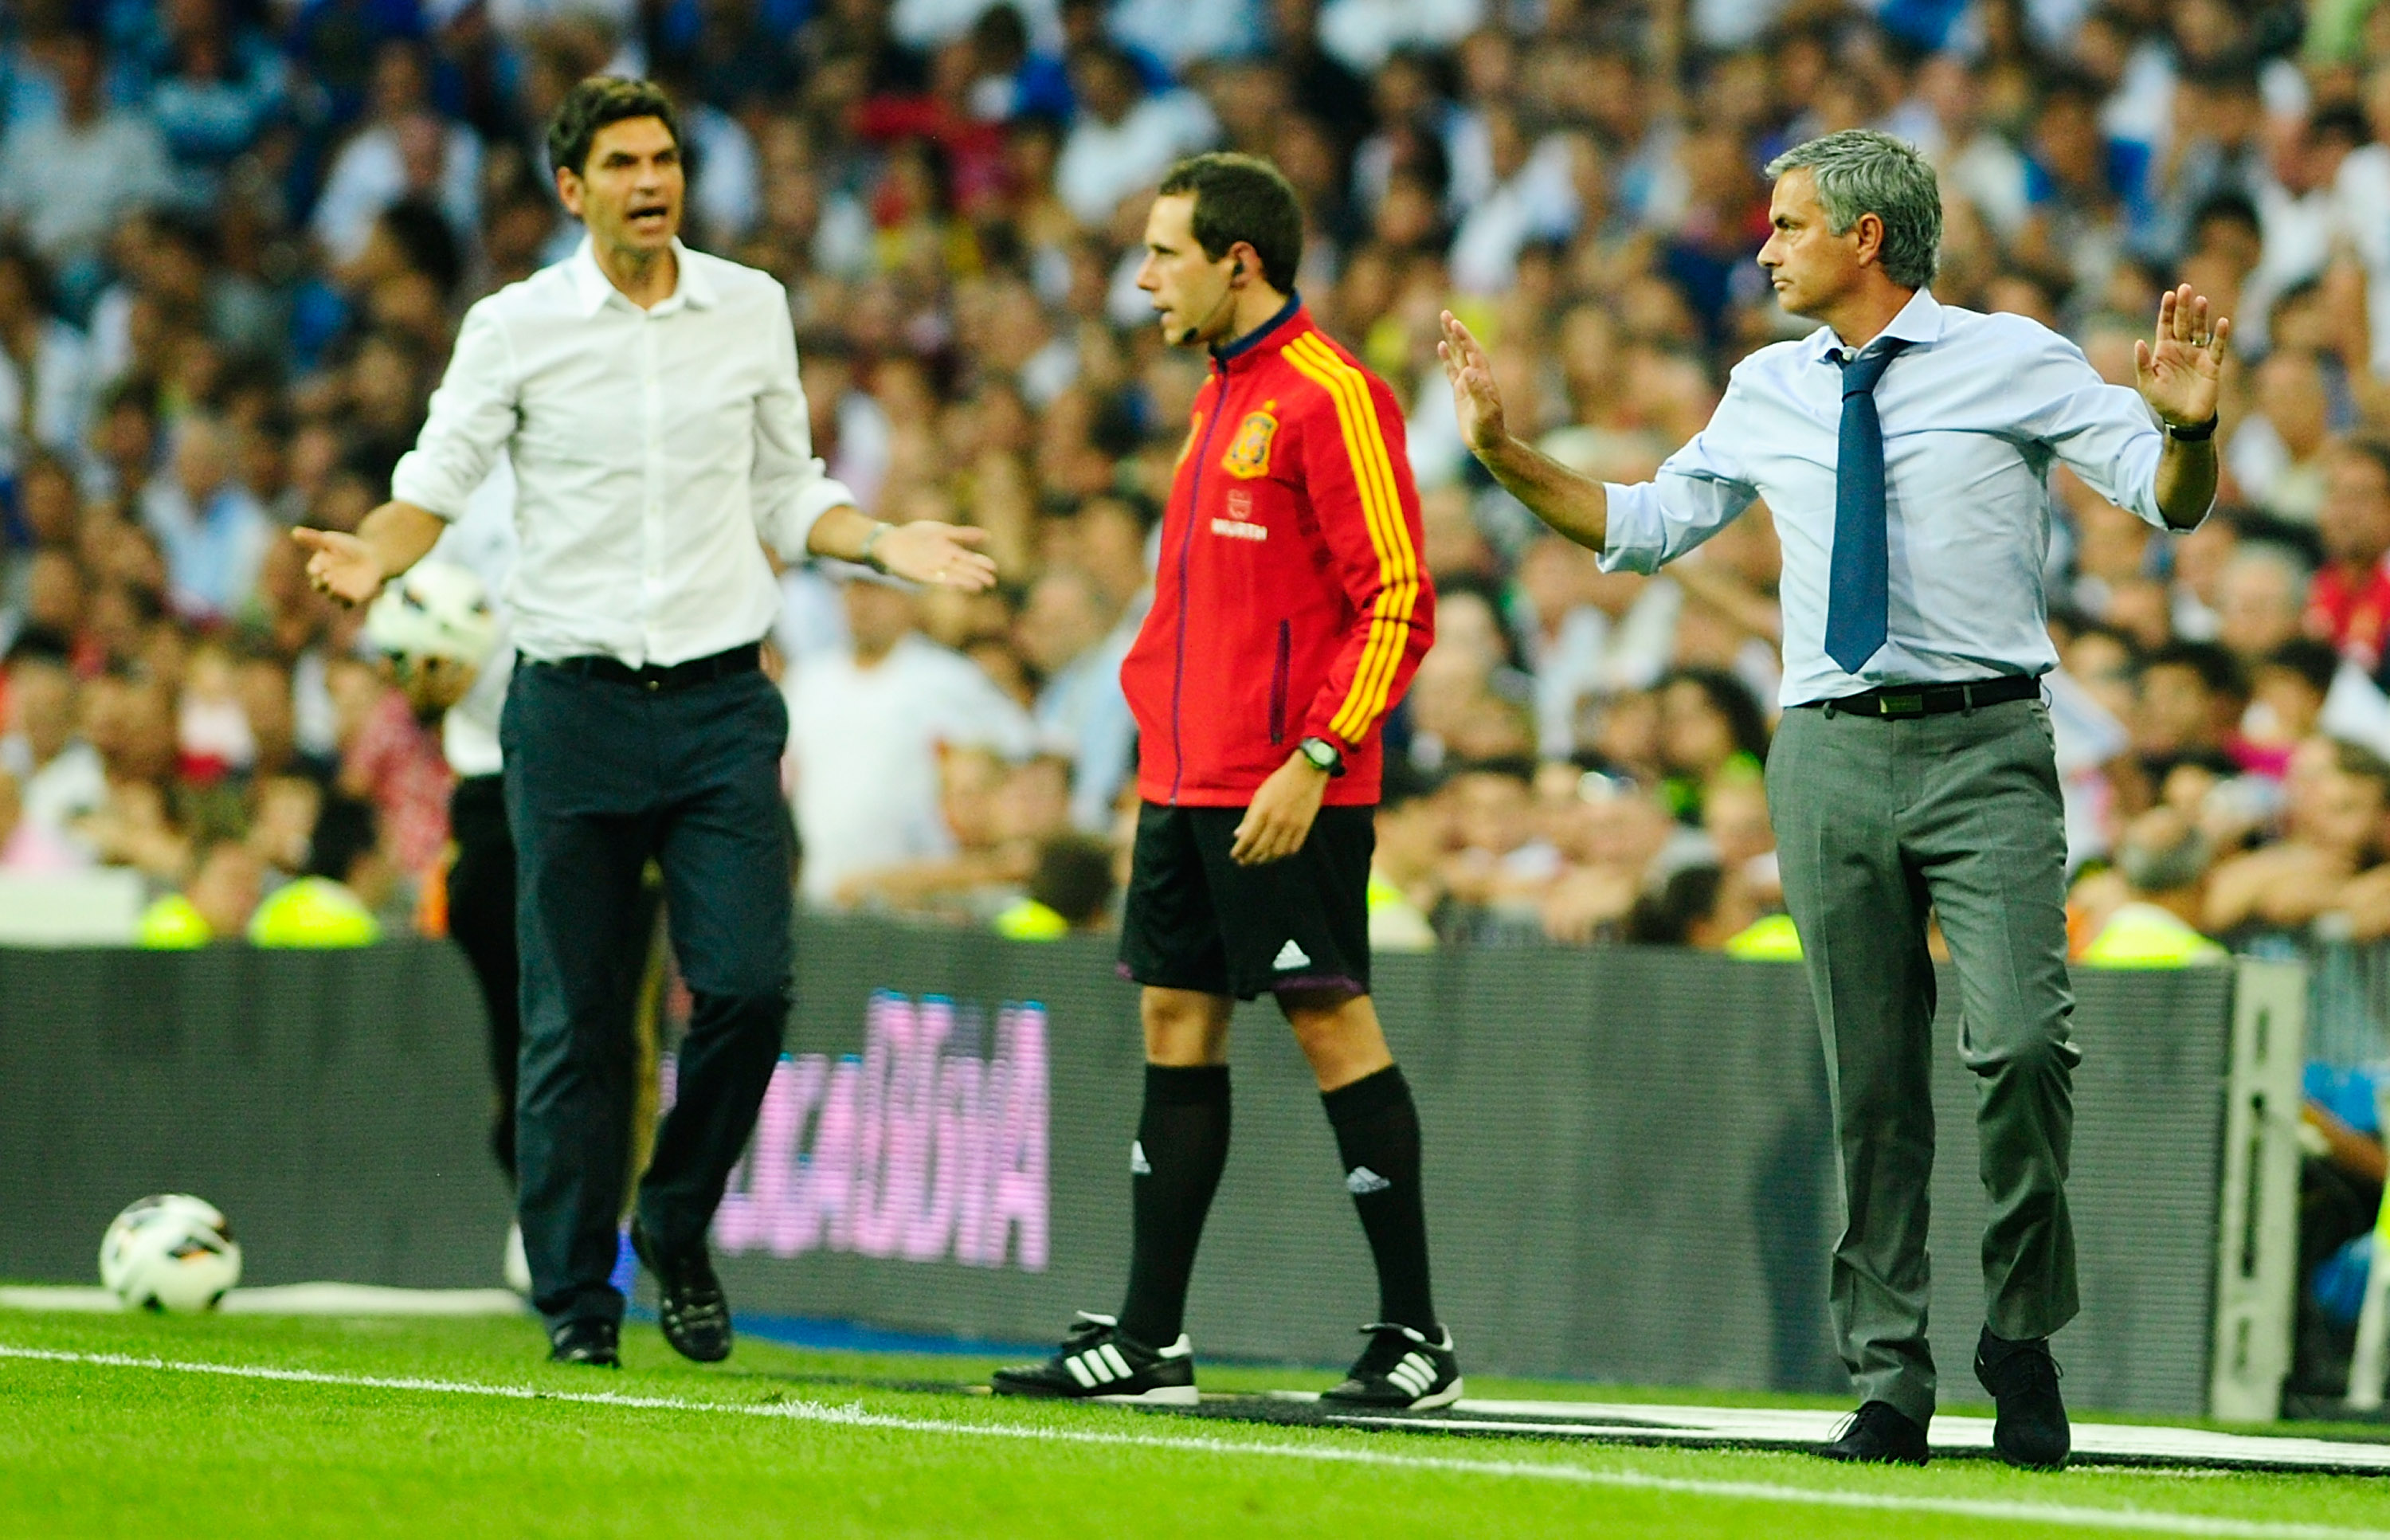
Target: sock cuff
(1367, 1096)
(1186, 1085)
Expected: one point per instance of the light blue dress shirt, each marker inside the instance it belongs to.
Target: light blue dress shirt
(1975, 413)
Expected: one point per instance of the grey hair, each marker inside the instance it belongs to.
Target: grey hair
(1858, 171)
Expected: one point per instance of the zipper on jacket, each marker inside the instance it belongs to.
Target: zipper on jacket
(1186, 544)
(1277, 686)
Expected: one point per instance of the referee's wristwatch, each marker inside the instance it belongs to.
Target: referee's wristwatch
(1324, 756)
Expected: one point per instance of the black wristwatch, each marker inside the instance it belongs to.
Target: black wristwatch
(1323, 755)
(2192, 432)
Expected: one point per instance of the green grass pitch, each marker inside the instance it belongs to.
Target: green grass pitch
(128, 1427)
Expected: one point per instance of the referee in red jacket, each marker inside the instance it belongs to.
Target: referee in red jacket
(1289, 614)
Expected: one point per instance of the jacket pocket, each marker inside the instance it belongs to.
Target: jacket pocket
(1277, 684)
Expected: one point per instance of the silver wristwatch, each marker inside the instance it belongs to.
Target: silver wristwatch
(871, 554)
(1323, 755)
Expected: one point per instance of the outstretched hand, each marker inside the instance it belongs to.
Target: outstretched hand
(2179, 374)
(341, 565)
(940, 555)
(1476, 398)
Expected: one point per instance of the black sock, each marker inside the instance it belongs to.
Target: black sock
(1378, 1134)
(1182, 1143)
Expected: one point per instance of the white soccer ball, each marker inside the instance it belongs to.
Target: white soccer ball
(170, 1253)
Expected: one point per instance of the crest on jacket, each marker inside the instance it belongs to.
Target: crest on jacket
(1249, 452)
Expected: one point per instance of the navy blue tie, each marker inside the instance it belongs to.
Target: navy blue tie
(1858, 594)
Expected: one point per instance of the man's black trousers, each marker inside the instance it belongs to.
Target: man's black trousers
(603, 774)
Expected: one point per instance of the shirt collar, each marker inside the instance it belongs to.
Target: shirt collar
(1919, 321)
(592, 287)
(1266, 332)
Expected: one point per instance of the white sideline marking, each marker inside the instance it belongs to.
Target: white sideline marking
(2134, 1519)
(288, 1299)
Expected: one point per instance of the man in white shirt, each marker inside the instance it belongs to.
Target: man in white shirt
(68, 183)
(1904, 448)
(867, 725)
(648, 397)
(211, 529)
(1125, 137)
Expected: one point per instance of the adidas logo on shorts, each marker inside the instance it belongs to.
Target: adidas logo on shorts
(1291, 955)
(1361, 1181)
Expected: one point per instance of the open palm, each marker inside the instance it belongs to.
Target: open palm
(2179, 373)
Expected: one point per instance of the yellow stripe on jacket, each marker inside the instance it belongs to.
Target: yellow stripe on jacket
(1382, 512)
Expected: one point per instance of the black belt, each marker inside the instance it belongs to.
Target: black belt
(1930, 700)
(665, 676)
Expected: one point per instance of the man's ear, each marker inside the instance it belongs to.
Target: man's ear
(1869, 230)
(568, 191)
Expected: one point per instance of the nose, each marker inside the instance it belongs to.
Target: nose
(1146, 278)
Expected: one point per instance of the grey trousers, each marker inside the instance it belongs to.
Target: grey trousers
(1878, 821)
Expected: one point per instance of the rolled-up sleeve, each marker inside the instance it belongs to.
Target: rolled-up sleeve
(792, 488)
(2102, 432)
(1699, 490)
(474, 415)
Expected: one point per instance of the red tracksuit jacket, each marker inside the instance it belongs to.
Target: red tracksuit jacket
(1289, 602)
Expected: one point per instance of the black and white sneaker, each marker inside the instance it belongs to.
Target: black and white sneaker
(1401, 1370)
(1097, 1363)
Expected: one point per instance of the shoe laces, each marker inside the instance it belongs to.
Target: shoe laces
(1088, 1329)
(2024, 1369)
(1389, 1341)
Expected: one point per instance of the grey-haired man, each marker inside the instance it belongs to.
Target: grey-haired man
(1904, 447)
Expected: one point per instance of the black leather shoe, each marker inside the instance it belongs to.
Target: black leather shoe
(2031, 1429)
(689, 1305)
(589, 1343)
(1879, 1434)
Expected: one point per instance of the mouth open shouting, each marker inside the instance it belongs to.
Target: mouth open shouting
(648, 217)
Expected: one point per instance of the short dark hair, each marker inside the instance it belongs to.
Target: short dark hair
(2314, 662)
(2219, 672)
(2371, 448)
(1243, 197)
(599, 100)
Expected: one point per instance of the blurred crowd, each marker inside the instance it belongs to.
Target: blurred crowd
(236, 238)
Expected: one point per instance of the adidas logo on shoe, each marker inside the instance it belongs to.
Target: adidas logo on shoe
(1291, 955)
(1403, 1369)
(1361, 1181)
(1097, 1363)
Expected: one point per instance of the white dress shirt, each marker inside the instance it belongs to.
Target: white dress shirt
(1975, 413)
(654, 450)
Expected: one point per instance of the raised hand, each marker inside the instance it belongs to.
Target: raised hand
(1474, 395)
(2178, 375)
(341, 565)
(940, 555)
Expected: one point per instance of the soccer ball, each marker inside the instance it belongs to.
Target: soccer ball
(170, 1253)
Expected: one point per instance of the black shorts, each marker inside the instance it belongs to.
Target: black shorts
(1197, 920)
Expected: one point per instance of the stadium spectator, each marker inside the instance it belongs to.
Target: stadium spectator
(2261, 601)
(1067, 633)
(58, 776)
(1124, 135)
(2190, 701)
(2349, 603)
(68, 183)
(29, 849)
(2333, 830)
(866, 725)
(210, 528)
